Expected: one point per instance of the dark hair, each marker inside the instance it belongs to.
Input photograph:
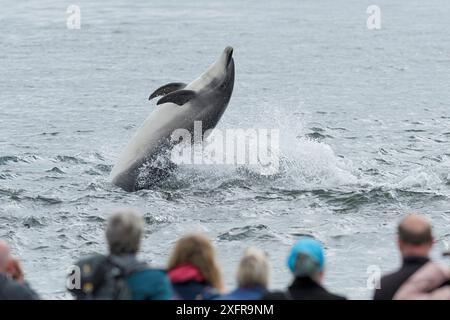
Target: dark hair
(414, 237)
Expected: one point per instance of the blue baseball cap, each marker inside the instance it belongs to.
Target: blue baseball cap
(310, 249)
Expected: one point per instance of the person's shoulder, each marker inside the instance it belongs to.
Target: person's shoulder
(387, 286)
(321, 293)
(275, 295)
(390, 278)
(150, 274)
(236, 294)
(150, 284)
(333, 296)
(390, 275)
(227, 296)
(13, 290)
(155, 272)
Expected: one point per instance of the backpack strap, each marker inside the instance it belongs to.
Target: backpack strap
(127, 266)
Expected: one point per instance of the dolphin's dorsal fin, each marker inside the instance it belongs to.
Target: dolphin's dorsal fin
(178, 97)
(167, 88)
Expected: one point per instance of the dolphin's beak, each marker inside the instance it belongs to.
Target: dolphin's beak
(229, 55)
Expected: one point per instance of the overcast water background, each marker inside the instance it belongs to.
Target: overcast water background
(364, 119)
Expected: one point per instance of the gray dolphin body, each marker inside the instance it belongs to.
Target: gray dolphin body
(204, 99)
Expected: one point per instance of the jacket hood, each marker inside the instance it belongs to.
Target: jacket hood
(184, 273)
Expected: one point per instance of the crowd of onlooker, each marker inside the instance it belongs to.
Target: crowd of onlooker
(193, 272)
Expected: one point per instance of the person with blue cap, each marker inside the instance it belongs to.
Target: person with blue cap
(306, 262)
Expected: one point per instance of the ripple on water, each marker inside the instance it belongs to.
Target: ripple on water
(7, 176)
(55, 133)
(4, 160)
(259, 231)
(348, 201)
(43, 200)
(32, 222)
(56, 170)
(157, 220)
(11, 192)
(70, 159)
(316, 136)
(104, 167)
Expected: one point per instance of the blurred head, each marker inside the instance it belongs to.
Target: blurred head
(415, 237)
(197, 250)
(124, 231)
(306, 259)
(5, 256)
(253, 269)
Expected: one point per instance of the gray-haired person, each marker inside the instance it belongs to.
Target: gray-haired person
(120, 275)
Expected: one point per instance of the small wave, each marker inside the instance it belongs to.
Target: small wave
(47, 200)
(419, 179)
(31, 222)
(93, 218)
(92, 187)
(104, 167)
(11, 192)
(7, 176)
(5, 159)
(233, 183)
(317, 136)
(50, 133)
(26, 159)
(348, 201)
(84, 131)
(92, 172)
(56, 170)
(40, 199)
(41, 247)
(70, 159)
(337, 128)
(317, 129)
(259, 231)
(156, 220)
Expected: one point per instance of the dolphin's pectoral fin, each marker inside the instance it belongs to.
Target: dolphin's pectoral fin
(178, 97)
(167, 88)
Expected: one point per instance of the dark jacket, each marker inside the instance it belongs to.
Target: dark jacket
(188, 284)
(254, 293)
(303, 288)
(431, 282)
(13, 290)
(390, 283)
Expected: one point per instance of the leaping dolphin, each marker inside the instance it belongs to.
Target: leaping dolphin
(204, 99)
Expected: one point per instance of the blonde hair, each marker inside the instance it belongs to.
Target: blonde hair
(253, 269)
(197, 250)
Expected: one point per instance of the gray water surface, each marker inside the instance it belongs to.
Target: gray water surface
(364, 119)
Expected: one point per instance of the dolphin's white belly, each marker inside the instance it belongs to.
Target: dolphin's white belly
(158, 125)
(204, 99)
